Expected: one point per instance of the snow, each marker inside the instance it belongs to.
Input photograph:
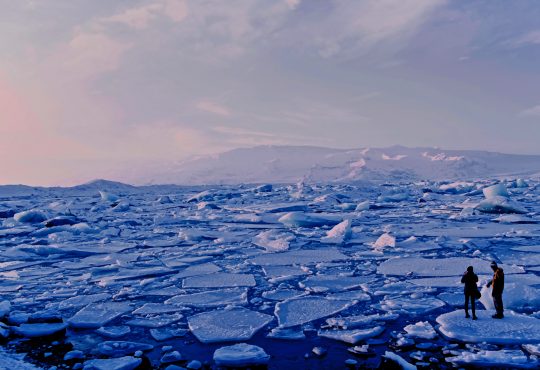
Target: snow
(514, 328)
(235, 324)
(298, 311)
(305, 256)
(240, 355)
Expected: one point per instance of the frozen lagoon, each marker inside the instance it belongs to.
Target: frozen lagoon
(131, 280)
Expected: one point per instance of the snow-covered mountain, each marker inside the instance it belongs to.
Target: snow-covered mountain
(288, 164)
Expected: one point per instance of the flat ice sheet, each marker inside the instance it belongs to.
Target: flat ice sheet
(237, 324)
(514, 328)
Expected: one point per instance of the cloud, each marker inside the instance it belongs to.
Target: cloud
(214, 108)
(531, 112)
(141, 17)
(530, 38)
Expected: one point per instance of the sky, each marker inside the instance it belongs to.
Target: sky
(89, 88)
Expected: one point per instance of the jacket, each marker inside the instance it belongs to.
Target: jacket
(469, 279)
(498, 282)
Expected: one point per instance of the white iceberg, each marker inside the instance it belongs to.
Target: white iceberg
(121, 363)
(421, 329)
(32, 216)
(240, 355)
(300, 219)
(499, 204)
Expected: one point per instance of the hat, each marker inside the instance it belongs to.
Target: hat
(493, 264)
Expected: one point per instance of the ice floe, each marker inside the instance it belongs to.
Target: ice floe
(514, 328)
(298, 311)
(235, 324)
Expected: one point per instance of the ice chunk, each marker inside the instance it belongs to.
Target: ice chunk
(282, 294)
(241, 355)
(351, 336)
(273, 241)
(421, 329)
(393, 197)
(161, 334)
(498, 204)
(280, 273)
(195, 270)
(38, 330)
(507, 358)
(219, 280)
(352, 322)
(362, 206)
(514, 328)
(452, 266)
(305, 256)
(457, 187)
(82, 300)
(516, 296)
(121, 363)
(300, 219)
(5, 307)
(156, 321)
(32, 216)
(114, 331)
(287, 333)
(234, 296)
(385, 240)
(121, 348)
(236, 324)
(333, 283)
(155, 308)
(98, 314)
(495, 190)
(339, 233)
(410, 305)
(399, 360)
(298, 311)
(108, 197)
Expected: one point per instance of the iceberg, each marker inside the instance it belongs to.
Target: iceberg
(32, 216)
(499, 204)
(300, 219)
(240, 355)
(121, 363)
(506, 358)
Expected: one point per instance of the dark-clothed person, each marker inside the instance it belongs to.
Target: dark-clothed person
(470, 279)
(497, 284)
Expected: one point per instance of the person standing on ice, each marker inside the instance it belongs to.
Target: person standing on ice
(497, 289)
(470, 279)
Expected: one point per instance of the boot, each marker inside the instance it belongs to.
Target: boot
(474, 317)
(467, 314)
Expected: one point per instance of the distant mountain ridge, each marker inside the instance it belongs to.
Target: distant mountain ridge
(289, 164)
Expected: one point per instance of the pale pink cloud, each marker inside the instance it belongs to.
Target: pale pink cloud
(213, 107)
